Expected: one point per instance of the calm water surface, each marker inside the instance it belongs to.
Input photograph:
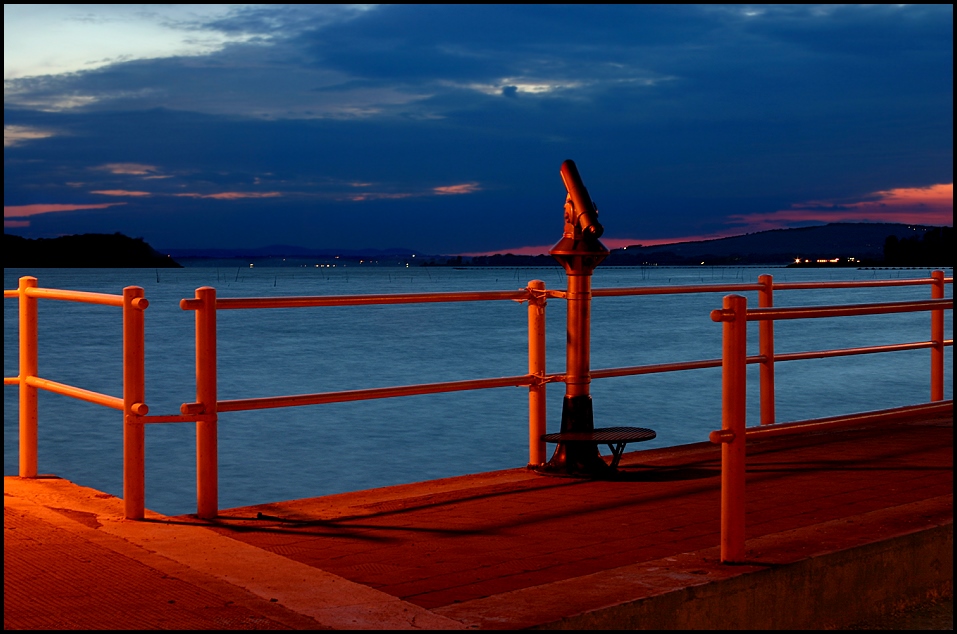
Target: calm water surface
(279, 454)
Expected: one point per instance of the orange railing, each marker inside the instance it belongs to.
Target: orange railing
(206, 305)
(205, 410)
(134, 375)
(734, 432)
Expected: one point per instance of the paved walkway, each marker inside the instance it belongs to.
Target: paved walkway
(503, 549)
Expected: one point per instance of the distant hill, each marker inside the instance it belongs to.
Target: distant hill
(89, 250)
(862, 241)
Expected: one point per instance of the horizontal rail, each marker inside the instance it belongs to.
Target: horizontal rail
(174, 418)
(269, 402)
(807, 312)
(233, 303)
(792, 286)
(719, 288)
(843, 352)
(608, 373)
(75, 392)
(941, 408)
(11, 380)
(411, 298)
(358, 300)
(453, 386)
(85, 297)
(674, 290)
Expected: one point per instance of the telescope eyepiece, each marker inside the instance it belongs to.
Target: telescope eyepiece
(590, 226)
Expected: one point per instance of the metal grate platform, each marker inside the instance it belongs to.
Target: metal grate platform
(615, 437)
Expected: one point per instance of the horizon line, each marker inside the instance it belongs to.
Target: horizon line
(622, 243)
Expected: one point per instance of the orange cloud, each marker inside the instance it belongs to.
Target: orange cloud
(23, 211)
(932, 205)
(464, 188)
(15, 224)
(119, 192)
(232, 195)
(134, 169)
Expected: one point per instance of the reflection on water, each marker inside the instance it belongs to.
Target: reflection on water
(289, 453)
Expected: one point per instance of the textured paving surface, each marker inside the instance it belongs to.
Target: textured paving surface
(458, 545)
(55, 579)
(468, 550)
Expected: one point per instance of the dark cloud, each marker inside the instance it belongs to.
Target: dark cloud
(679, 118)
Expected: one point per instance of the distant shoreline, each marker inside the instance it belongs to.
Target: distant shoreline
(836, 245)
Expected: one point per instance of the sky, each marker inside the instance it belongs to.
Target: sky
(442, 128)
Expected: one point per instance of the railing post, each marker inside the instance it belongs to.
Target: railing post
(536, 368)
(733, 414)
(207, 452)
(28, 368)
(766, 343)
(937, 336)
(134, 397)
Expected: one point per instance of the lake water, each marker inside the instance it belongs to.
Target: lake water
(289, 453)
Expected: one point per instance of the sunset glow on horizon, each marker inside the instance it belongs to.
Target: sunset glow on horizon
(933, 206)
(23, 211)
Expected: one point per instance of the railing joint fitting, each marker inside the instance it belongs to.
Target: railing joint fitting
(721, 436)
(187, 409)
(535, 296)
(723, 314)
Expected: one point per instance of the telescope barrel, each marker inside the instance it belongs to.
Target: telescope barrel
(584, 207)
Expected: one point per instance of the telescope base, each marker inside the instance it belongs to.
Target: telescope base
(577, 459)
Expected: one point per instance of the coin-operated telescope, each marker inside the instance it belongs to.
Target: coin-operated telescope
(579, 252)
(582, 228)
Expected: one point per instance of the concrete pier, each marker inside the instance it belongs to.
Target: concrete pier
(842, 527)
